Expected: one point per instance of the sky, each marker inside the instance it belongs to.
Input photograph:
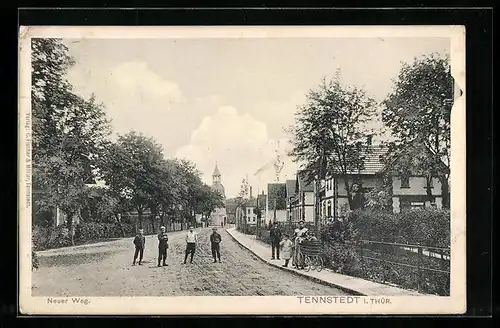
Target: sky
(228, 101)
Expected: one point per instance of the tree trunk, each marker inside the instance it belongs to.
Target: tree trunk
(348, 190)
(162, 215)
(119, 221)
(139, 212)
(445, 188)
(428, 189)
(70, 228)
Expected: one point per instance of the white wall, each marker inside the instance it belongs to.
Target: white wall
(417, 186)
(281, 215)
(309, 217)
(309, 198)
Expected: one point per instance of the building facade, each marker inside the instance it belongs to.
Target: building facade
(218, 217)
(302, 203)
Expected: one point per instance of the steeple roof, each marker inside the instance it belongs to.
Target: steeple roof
(216, 171)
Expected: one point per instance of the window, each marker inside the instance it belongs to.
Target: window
(417, 205)
(405, 182)
(249, 211)
(329, 213)
(254, 219)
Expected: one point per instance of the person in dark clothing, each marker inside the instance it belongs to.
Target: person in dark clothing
(358, 198)
(275, 234)
(215, 240)
(139, 242)
(162, 246)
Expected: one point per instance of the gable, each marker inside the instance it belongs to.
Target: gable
(412, 158)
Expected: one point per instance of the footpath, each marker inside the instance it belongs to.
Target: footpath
(352, 285)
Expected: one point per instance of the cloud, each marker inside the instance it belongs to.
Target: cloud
(135, 97)
(240, 144)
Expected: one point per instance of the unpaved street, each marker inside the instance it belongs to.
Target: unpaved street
(105, 270)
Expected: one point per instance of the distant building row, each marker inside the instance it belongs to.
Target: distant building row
(295, 200)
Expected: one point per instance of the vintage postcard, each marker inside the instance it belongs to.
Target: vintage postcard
(242, 170)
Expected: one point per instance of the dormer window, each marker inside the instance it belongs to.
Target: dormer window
(405, 182)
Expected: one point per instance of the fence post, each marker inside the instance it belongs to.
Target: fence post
(419, 270)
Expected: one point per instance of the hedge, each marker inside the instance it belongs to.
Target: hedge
(428, 227)
(47, 237)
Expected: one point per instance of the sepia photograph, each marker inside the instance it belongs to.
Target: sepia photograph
(242, 170)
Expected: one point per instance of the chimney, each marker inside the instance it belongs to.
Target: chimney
(250, 192)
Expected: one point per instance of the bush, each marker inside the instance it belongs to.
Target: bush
(341, 259)
(34, 260)
(90, 231)
(51, 237)
(429, 227)
(264, 235)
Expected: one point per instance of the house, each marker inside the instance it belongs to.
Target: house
(407, 192)
(276, 209)
(334, 197)
(414, 190)
(302, 204)
(218, 216)
(231, 205)
(290, 195)
(261, 204)
(250, 211)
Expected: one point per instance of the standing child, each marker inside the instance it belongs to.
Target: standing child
(286, 246)
(162, 246)
(139, 242)
(215, 240)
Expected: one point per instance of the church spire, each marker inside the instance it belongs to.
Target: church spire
(216, 171)
(216, 175)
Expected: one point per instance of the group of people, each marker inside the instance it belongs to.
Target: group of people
(191, 242)
(290, 248)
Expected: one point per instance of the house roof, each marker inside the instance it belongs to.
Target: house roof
(251, 202)
(231, 208)
(290, 188)
(262, 200)
(373, 159)
(417, 149)
(301, 183)
(277, 191)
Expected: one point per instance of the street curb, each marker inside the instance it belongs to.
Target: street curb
(298, 273)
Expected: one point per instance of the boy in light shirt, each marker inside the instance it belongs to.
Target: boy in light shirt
(191, 241)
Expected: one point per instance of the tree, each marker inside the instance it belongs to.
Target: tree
(129, 169)
(208, 200)
(168, 189)
(69, 132)
(418, 112)
(328, 132)
(191, 178)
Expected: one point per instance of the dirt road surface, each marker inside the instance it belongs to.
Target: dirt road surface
(105, 269)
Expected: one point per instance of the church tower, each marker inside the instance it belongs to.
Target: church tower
(218, 217)
(216, 175)
(216, 181)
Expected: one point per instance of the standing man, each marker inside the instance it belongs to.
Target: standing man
(275, 234)
(300, 234)
(162, 246)
(215, 240)
(191, 241)
(358, 198)
(139, 242)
